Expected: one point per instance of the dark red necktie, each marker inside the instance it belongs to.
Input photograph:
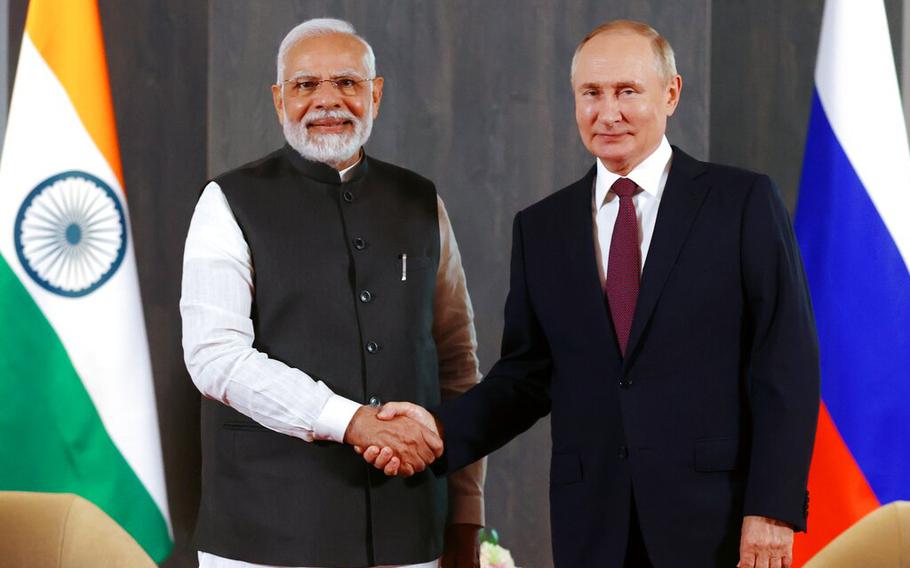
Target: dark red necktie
(624, 263)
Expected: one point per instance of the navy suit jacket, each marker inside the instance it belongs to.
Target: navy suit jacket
(712, 414)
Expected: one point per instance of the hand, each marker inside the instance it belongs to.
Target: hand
(462, 547)
(765, 543)
(384, 457)
(411, 446)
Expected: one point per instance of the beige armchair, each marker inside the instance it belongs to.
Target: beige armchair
(61, 530)
(881, 539)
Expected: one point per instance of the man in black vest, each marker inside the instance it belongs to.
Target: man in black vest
(658, 312)
(317, 283)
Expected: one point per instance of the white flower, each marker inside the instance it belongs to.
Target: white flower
(495, 556)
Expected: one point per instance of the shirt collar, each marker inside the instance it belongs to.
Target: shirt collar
(347, 173)
(648, 175)
(325, 173)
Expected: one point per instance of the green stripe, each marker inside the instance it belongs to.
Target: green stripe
(51, 437)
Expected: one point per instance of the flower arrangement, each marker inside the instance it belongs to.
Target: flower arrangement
(492, 555)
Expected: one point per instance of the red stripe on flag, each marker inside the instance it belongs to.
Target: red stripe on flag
(839, 490)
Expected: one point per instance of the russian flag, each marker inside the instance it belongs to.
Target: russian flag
(853, 226)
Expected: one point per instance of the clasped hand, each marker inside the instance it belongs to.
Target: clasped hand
(400, 439)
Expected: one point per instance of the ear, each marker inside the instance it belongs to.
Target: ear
(279, 102)
(377, 95)
(674, 89)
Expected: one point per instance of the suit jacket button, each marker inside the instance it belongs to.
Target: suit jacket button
(623, 452)
(624, 383)
(366, 296)
(375, 402)
(372, 347)
(347, 196)
(359, 243)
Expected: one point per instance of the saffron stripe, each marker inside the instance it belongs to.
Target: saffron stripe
(68, 36)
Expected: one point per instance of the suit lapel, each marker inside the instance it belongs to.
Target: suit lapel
(679, 204)
(582, 267)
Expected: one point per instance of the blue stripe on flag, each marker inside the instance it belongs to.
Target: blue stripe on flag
(861, 294)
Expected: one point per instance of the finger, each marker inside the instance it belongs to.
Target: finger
(774, 562)
(786, 562)
(424, 452)
(392, 467)
(384, 457)
(413, 458)
(390, 410)
(762, 560)
(371, 453)
(422, 416)
(358, 449)
(434, 442)
(746, 560)
(418, 465)
(406, 470)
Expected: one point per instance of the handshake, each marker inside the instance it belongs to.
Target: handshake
(400, 438)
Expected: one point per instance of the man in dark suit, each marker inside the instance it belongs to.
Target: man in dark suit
(658, 312)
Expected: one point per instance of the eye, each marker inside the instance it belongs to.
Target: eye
(345, 82)
(590, 93)
(627, 91)
(306, 84)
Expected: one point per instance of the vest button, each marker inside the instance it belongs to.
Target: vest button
(623, 452)
(359, 243)
(366, 296)
(348, 196)
(372, 347)
(375, 402)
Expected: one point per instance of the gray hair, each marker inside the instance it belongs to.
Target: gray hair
(663, 52)
(320, 27)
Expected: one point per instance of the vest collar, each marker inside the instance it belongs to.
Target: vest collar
(322, 172)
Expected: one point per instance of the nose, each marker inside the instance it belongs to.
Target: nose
(326, 96)
(610, 111)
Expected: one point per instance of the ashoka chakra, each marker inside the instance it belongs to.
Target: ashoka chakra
(70, 233)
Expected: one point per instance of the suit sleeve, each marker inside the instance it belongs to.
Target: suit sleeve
(783, 379)
(514, 394)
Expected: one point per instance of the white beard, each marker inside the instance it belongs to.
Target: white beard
(331, 149)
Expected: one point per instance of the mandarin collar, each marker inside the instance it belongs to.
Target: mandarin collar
(324, 173)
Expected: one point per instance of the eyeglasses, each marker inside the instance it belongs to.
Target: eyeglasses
(303, 87)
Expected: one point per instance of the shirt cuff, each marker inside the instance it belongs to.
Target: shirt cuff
(333, 421)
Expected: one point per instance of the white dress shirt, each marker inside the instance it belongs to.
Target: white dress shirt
(651, 176)
(218, 348)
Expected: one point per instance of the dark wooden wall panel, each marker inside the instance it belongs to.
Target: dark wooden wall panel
(158, 56)
(761, 85)
(762, 77)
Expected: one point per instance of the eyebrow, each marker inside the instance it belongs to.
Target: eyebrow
(616, 85)
(336, 74)
(624, 84)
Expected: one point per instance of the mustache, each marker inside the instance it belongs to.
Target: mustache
(315, 115)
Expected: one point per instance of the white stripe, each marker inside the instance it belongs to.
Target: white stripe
(857, 85)
(104, 331)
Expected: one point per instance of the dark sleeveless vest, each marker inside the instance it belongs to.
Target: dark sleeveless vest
(330, 300)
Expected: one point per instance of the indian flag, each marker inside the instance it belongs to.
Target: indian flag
(77, 405)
